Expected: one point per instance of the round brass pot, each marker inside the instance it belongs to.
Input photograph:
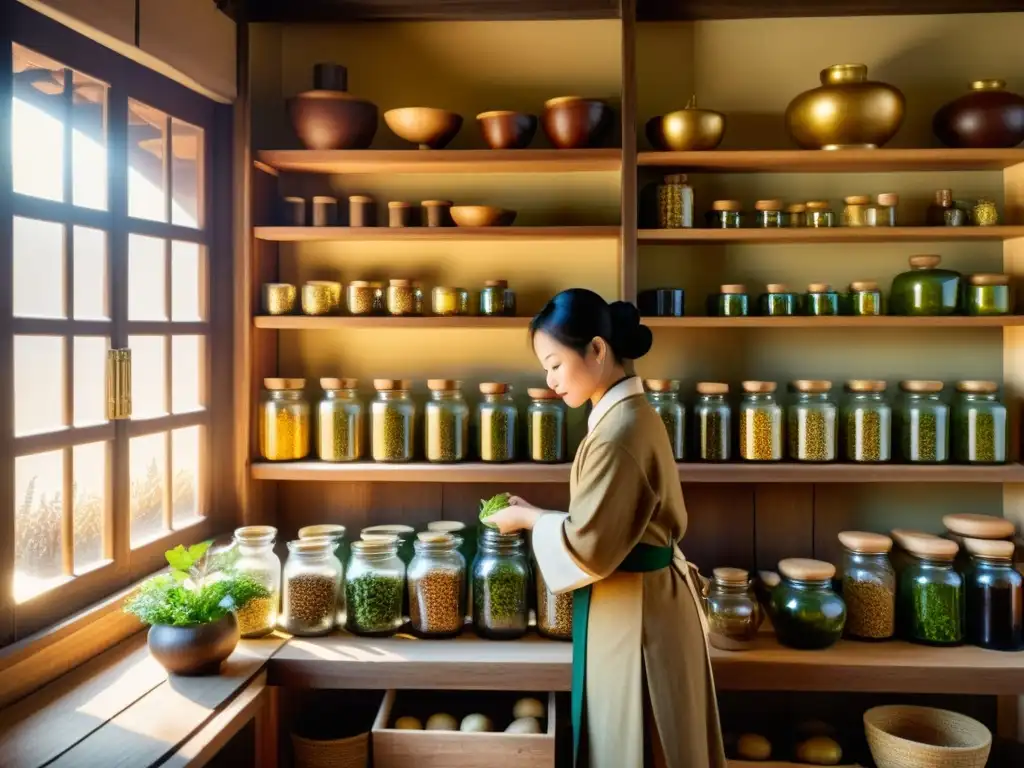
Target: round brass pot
(846, 111)
(571, 122)
(989, 117)
(686, 130)
(333, 120)
(196, 650)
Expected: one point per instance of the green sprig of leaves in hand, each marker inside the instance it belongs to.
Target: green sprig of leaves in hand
(201, 588)
(492, 505)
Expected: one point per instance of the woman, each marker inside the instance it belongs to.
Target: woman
(642, 688)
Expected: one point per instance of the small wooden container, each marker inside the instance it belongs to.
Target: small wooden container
(437, 213)
(279, 298)
(325, 211)
(361, 211)
(293, 211)
(399, 214)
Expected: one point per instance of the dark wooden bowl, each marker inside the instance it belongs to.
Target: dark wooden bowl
(333, 120)
(428, 127)
(198, 650)
(571, 122)
(505, 129)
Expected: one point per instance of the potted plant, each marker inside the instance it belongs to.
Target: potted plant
(191, 610)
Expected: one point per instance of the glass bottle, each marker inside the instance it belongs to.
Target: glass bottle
(496, 300)
(284, 420)
(335, 534)
(497, 418)
(865, 298)
(883, 212)
(663, 395)
(712, 418)
(924, 423)
(944, 212)
(796, 215)
(546, 427)
(760, 422)
(769, 214)
(554, 612)
(994, 597)
(987, 294)
(925, 289)
(725, 214)
(374, 586)
(312, 578)
(393, 418)
(446, 422)
(501, 581)
(778, 301)
(867, 419)
(821, 300)
(869, 585)
(734, 614)
(855, 210)
(341, 421)
(819, 215)
(404, 298)
(806, 612)
(813, 422)
(256, 559)
(437, 584)
(730, 301)
(675, 202)
(931, 609)
(979, 424)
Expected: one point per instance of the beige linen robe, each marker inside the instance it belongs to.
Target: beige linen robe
(650, 697)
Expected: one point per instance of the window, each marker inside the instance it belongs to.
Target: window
(111, 234)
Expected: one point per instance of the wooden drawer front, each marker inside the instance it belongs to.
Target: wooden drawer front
(393, 748)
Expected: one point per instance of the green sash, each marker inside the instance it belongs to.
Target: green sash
(641, 559)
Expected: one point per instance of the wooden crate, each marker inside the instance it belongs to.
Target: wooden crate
(393, 748)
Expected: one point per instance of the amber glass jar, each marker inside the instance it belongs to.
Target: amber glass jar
(284, 420)
(341, 421)
(944, 211)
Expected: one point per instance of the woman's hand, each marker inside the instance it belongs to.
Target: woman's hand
(515, 517)
(519, 501)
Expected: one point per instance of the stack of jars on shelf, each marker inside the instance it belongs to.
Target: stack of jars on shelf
(345, 425)
(813, 427)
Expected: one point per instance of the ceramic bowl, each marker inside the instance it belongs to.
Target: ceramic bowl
(572, 122)
(428, 127)
(197, 650)
(482, 216)
(686, 130)
(505, 129)
(333, 120)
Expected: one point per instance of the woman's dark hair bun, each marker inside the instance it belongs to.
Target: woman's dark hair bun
(630, 338)
(575, 317)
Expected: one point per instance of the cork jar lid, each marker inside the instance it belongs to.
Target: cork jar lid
(446, 526)
(435, 537)
(436, 203)
(278, 286)
(731, 206)
(389, 529)
(796, 208)
(817, 205)
(712, 388)
(768, 205)
(804, 569)
(925, 261)
(675, 178)
(769, 578)
(392, 385)
(764, 387)
(542, 393)
(932, 548)
(905, 537)
(399, 204)
(293, 199)
(865, 542)
(277, 384)
(819, 288)
(318, 545)
(443, 385)
(989, 549)
(495, 283)
(733, 289)
(372, 543)
(332, 384)
(863, 285)
(914, 385)
(733, 576)
(360, 199)
(400, 283)
(331, 284)
(777, 288)
(857, 200)
(888, 199)
(866, 385)
(360, 284)
(494, 388)
(977, 387)
(979, 526)
(325, 199)
(330, 530)
(662, 385)
(812, 386)
(988, 278)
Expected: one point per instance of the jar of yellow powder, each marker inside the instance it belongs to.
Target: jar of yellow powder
(284, 420)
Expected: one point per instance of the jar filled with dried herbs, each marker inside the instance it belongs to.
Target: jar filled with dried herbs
(883, 212)
(932, 594)
(867, 422)
(821, 300)
(437, 583)
(993, 596)
(778, 301)
(734, 614)
(712, 418)
(404, 298)
(312, 579)
(448, 302)
(725, 214)
(341, 421)
(663, 395)
(760, 422)
(855, 210)
(501, 582)
(554, 612)
(284, 420)
(730, 301)
(336, 534)
(806, 611)
(865, 298)
(374, 587)
(447, 422)
(392, 420)
(497, 300)
(675, 202)
(256, 559)
(987, 294)
(497, 416)
(545, 418)
(979, 424)
(768, 214)
(924, 423)
(820, 215)
(869, 585)
(362, 298)
(813, 427)
(795, 215)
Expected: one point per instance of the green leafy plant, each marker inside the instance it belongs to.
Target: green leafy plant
(492, 505)
(201, 588)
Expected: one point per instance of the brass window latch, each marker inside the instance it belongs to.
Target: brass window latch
(119, 384)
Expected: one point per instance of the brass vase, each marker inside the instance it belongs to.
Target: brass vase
(688, 129)
(846, 111)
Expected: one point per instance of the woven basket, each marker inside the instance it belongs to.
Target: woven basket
(352, 752)
(903, 736)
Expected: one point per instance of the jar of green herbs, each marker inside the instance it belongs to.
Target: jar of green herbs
(806, 611)
(821, 300)
(497, 299)
(446, 422)
(501, 585)
(730, 301)
(924, 423)
(820, 215)
(979, 424)
(392, 421)
(546, 428)
(987, 295)
(712, 420)
(663, 395)
(341, 421)
(725, 214)
(496, 418)
(374, 588)
(778, 300)
(813, 422)
(865, 299)
(869, 585)
(931, 608)
(867, 422)
(768, 214)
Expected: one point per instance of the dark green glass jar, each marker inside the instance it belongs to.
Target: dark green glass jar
(821, 300)
(987, 294)
(865, 299)
(730, 301)
(924, 423)
(925, 289)
(724, 214)
(769, 214)
(778, 301)
(806, 611)
(979, 424)
(931, 595)
(993, 597)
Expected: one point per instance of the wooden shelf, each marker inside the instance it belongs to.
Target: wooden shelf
(830, 235)
(844, 161)
(443, 160)
(397, 234)
(883, 321)
(479, 472)
(301, 322)
(470, 663)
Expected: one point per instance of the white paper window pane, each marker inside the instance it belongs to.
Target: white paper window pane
(90, 380)
(90, 265)
(186, 497)
(187, 354)
(38, 512)
(188, 300)
(38, 384)
(89, 470)
(147, 299)
(149, 376)
(38, 268)
(147, 460)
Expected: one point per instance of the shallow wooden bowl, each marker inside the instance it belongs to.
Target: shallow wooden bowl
(429, 127)
(482, 216)
(505, 129)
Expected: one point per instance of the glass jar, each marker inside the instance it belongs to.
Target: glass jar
(778, 301)
(496, 415)
(987, 294)
(321, 297)
(712, 419)
(994, 597)
(257, 560)
(404, 298)
(813, 422)
(336, 534)
(341, 421)
(361, 298)
(869, 585)
(855, 209)
(724, 214)
(284, 420)
(924, 423)
(448, 302)
(984, 213)
(496, 300)
(806, 611)
(465, 542)
(663, 395)
(734, 614)
(402, 534)
(931, 608)
(796, 215)
(944, 212)
(964, 526)
(865, 299)
(760, 422)
(675, 202)
(393, 418)
(545, 418)
(446, 422)
(730, 301)
(883, 212)
(501, 580)
(819, 215)
(554, 612)
(769, 214)
(925, 289)
(312, 579)
(979, 424)
(868, 422)
(821, 300)
(374, 587)
(437, 585)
